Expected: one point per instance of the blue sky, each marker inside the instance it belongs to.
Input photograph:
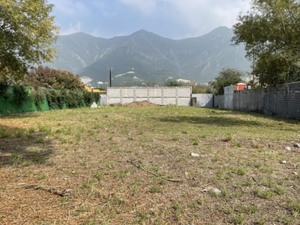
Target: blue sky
(175, 19)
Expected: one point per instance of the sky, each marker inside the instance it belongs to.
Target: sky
(176, 19)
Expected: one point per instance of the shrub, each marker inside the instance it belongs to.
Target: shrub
(20, 94)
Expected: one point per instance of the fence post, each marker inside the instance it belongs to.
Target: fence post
(162, 95)
(177, 96)
(148, 94)
(121, 96)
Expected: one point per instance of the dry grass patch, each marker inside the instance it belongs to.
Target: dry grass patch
(124, 165)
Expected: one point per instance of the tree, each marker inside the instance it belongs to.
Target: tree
(57, 79)
(27, 31)
(173, 83)
(226, 77)
(271, 31)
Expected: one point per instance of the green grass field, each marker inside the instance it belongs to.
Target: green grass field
(122, 165)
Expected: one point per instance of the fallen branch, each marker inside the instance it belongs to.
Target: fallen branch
(60, 192)
(139, 166)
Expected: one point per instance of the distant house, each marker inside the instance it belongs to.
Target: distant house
(240, 87)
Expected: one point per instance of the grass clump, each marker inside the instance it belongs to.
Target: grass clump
(155, 189)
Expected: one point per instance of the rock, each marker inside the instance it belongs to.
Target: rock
(65, 179)
(94, 106)
(194, 154)
(288, 148)
(283, 162)
(216, 191)
(297, 145)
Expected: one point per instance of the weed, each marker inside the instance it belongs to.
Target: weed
(85, 185)
(162, 182)
(90, 222)
(196, 143)
(238, 219)
(58, 131)
(134, 188)
(215, 159)
(228, 138)
(16, 159)
(224, 192)
(4, 134)
(98, 176)
(97, 126)
(84, 163)
(246, 209)
(41, 176)
(19, 132)
(45, 129)
(263, 194)
(31, 130)
(26, 163)
(83, 209)
(110, 166)
(78, 137)
(238, 144)
(248, 182)
(155, 189)
(30, 136)
(240, 172)
(122, 174)
(40, 140)
(178, 207)
(227, 210)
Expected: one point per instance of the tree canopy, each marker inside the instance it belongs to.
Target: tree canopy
(27, 31)
(173, 83)
(57, 79)
(271, 31)
(226, 77)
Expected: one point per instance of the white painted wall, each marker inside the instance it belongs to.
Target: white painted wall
(180, 96)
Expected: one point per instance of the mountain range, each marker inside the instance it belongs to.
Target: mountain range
(146, 57)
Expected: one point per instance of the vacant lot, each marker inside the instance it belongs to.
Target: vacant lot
(118, 165)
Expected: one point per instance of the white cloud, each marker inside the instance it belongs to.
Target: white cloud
(70, 7)
(71, 29)
(200, 15)
(145, 6)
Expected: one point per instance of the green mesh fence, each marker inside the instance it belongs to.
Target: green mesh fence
(15, 99)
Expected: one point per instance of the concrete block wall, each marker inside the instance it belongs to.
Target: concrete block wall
(180, 96)
(219, 101)
(283, 101)
(204, 100)
(249, 100)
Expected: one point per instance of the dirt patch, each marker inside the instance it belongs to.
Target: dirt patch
(136, 104)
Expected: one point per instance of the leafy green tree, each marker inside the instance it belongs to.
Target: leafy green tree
(173, 83)
(57, 79)
(226, 77)
(271, 31)
(27, 31)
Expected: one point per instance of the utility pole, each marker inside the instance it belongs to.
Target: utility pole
(109, 77)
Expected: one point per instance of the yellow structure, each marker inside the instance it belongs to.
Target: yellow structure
(93, 90)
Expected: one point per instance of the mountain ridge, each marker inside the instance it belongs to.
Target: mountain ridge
(150, 56)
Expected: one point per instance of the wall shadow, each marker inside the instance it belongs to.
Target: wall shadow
(225, 112)
(210, 120)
